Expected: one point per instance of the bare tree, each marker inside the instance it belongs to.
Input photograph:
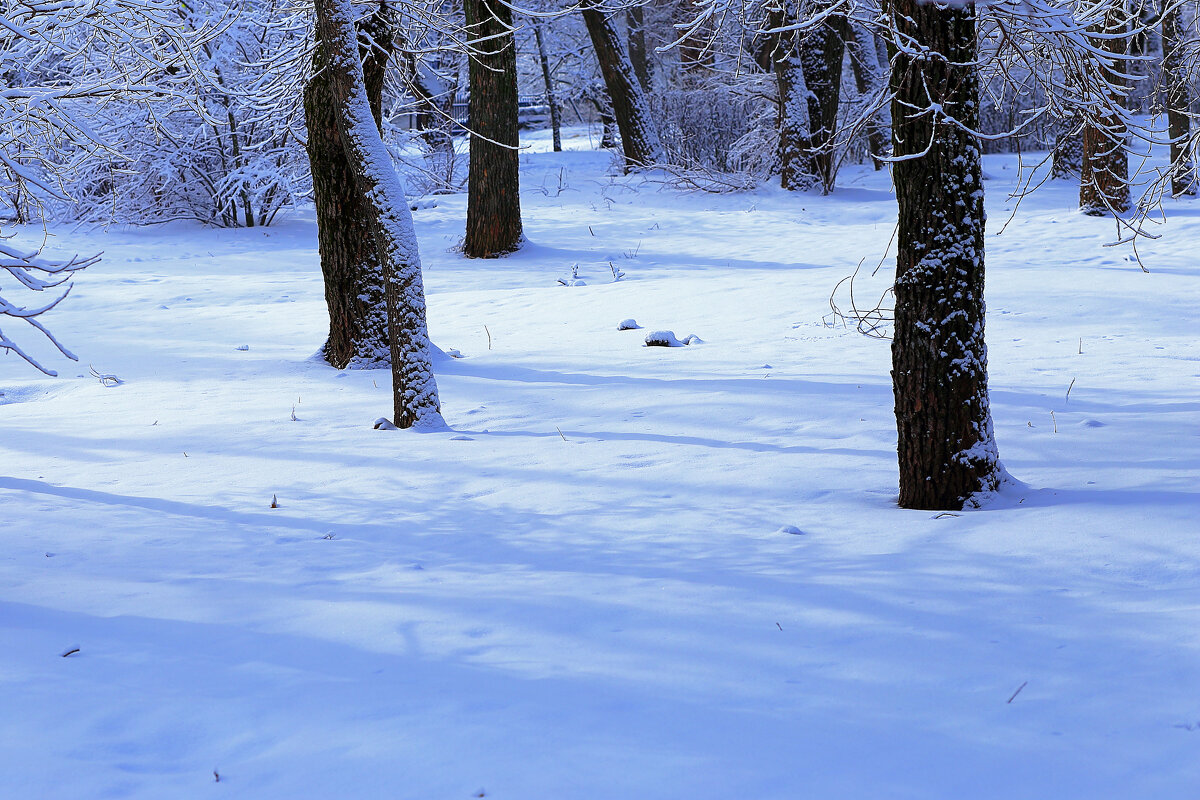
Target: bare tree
(1179, 99)
(414, 389)
(1104, 170)
(639, 136)
(354, 286)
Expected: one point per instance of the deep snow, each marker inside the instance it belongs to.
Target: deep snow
(625, 571)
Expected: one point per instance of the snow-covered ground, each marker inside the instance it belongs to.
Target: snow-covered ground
(625, 572)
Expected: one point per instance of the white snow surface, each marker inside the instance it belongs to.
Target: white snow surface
(588, 587)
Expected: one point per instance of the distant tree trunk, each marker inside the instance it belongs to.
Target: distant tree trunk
(609, 140)
(868, 80)
(434, 102)
(354, 289)
(493, 182)
(795, 146)
(1179, 101)
(1104, 173)
(946, 448)
(638, 52)
(1067, 156)
(795, 129)
(414, 390)
(548, 79)
(821, 55)
(696, 52)
(639, 137)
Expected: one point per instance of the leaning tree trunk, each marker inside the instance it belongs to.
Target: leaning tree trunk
(1104, 173)
(493, 182)
(946, 448)
(349, 262)
(639, 137)
(548, 80)
(821, 54)
(1179, 100)
(414, 390)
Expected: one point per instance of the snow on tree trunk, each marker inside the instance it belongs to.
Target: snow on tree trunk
(821, 55)
(946, 448)
(795, 166)
(548, 80)
(1104, 173)
(868, 80)
(354, 290)
(1179, 101)
(493, 183)
(639, 137)
(414, 389)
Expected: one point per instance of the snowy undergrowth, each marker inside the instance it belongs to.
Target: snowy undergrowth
(626, 571)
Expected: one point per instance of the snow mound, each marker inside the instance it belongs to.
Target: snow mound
(628, 325)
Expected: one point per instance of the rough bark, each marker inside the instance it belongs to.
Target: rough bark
(1179, 101)
(354, 290)
(493, 182)
(548, 80)
(414, 390)
(946, 448)
(1104, 171)
(639, 137)
(795, 147)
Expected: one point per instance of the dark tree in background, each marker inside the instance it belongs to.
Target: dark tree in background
(946, 448)
(639, 137)
(493, 183)
(821, 55)
(548, 80)
(1104, 169)
(349, 261)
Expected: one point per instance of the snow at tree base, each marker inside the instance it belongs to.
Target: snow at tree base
(622, 571)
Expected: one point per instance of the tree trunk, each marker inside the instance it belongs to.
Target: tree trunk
(354, 289)
(493, 182)
(639, 54)
(868, 80)
(548, 79)
(946, 448)
(639, 138)
(1067, 158)
(795, 147)
(1179, 100)
(1104, 173)
(414, 390)
(821, 54)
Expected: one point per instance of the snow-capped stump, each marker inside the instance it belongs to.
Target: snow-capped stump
(628, 325)
(384, 424)
(662, 339)
(667, 339)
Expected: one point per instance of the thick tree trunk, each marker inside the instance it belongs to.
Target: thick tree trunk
(1104, 173)
(548, 80)
(414, 390)
(493, 183)
(821, 54)
(639, 137)
(349, 262)
(1179, 100)
(946, 448)
(868, 80)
